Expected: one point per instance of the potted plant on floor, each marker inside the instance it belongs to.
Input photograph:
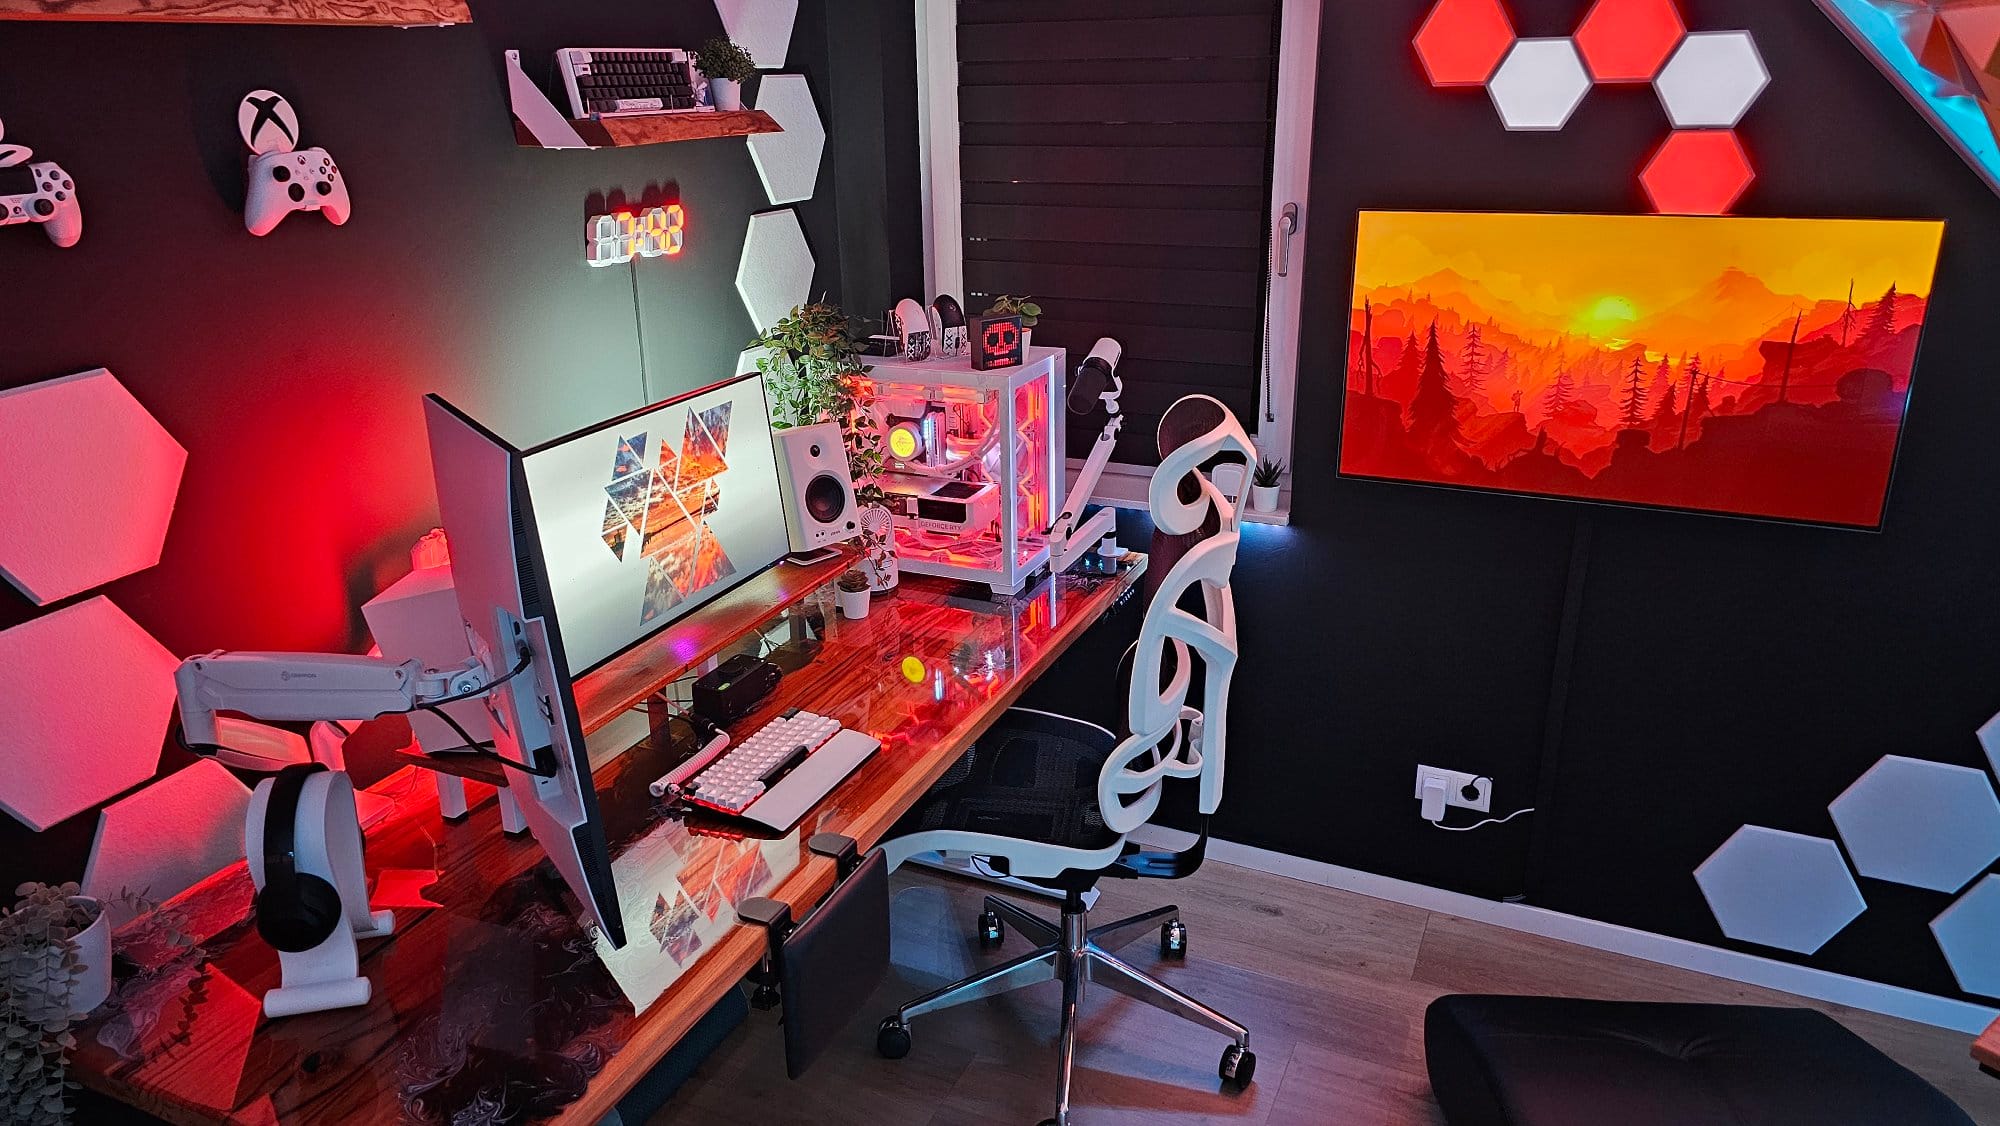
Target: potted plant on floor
(727, 67)
(55, 967)
(1007, 305)
(1264, 482)
(811, 362)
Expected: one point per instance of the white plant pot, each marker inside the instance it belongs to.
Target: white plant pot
(853, 603)
(1263, 498)
(1027, 342)
(93, 952)
(727, 93)
(1229, 477)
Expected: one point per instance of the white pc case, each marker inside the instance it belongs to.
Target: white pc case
(948, 431)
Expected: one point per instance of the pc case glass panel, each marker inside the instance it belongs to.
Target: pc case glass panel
(973, 464)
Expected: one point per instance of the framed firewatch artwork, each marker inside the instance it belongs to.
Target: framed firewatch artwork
(1741, 366)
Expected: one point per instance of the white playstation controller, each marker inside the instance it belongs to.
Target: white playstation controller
(284, 182)
(52, 204)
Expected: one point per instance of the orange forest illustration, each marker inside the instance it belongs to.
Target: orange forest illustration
(1757, 367)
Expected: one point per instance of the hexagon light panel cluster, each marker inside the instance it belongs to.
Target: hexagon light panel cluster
(775, 274)
(1706, 82)
(1779, 889)
(1926, 824)
(84, 698)
(788, 162)
(90, 480)
(761, 27)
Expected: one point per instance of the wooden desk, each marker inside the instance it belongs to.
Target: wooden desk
(1986, 1049)
(495, 995)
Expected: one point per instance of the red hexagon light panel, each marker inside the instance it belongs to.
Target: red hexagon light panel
(1463, 41)
(1706, 82)
(1629, 40)
(1697, 172)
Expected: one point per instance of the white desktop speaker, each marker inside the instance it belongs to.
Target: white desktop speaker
(817, 489)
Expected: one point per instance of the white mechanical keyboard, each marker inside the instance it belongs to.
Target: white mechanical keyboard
(783, 769)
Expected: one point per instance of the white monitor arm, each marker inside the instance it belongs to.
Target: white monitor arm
(311, 686)
(1096, 377)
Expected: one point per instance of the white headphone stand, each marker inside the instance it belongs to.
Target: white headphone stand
(328, 845)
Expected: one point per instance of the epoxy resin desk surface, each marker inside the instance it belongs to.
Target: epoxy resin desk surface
(495, 998)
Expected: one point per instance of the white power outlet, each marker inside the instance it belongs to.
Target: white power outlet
(1456, 786)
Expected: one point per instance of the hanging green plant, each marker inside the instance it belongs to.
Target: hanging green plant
(39, 970)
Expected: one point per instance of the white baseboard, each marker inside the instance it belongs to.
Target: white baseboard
(1839, 989)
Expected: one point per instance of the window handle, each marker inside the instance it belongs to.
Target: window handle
(1288, 225)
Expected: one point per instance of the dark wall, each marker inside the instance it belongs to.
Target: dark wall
(1723, 671)
(292, 367)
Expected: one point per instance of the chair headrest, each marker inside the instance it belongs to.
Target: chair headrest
(1194, 430)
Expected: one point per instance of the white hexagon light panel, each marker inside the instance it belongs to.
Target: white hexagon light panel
(200, 810)
(89, 484)
(1779, 889)
(761, 27)
(1927, 824)
(84, 699)
(788, 162)
(1968, 932)
(1539, 84)
(775, 274)
(1711, 81)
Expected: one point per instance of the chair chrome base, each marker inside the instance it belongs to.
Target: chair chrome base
(1075, 953)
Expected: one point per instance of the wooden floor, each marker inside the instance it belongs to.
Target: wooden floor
(1331, 984)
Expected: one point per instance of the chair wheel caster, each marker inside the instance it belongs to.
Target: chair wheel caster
(1173, 941)
(892, 1039)
(991, 931)
(1238, 1067)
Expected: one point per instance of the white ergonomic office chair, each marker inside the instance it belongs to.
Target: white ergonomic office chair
(1051, 799)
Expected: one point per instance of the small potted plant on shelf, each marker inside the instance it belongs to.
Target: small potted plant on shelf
(811, 362)
(853, 594)
(1264, 482)
(1006, 305)
(727, 67)
(55, 967)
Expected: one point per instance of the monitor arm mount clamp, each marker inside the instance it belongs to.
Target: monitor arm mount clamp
(1096, 378)
(301, 835)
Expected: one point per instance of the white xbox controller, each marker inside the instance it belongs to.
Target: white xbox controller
(284, 182)
(52, 204)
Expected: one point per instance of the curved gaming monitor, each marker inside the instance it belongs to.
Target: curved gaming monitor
(577, 549)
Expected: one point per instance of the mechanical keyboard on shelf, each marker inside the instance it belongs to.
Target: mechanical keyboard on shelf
(603, 82)
(776, 775)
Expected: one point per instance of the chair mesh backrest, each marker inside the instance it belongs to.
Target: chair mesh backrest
(1195, 540)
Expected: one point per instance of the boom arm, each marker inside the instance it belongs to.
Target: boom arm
(1099, 375)
(310, 686)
